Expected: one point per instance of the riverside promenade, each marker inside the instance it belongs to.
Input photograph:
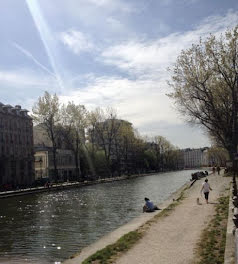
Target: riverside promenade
(170, 239)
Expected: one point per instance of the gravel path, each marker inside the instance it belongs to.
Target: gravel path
(173, 239)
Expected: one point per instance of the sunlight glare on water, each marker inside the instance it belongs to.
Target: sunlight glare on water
(50, 227)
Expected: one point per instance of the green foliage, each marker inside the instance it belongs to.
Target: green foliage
(109, 253)
(103, 145)
(218, 155)
(46, 110)
(150, 159)
(104, 256)
(73, 125)
(205, 90)
(100, 163)
(211, 247)
(74, 118)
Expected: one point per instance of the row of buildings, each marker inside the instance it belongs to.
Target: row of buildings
(16, 146)
(20, 162)
(198, 157)
(195, 158)
(23, 160)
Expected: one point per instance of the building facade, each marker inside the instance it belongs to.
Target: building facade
(16, 147)
(44, 165)
(195, 158)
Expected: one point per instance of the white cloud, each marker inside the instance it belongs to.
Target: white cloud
(141, 99)
(136, 101)
(115, 24)
(24, 77)
(170, 2)
(32, 58)
(92, 13)
(119, 5)
(76, 41)
(24, 86)
(143, 104)
(150, 58)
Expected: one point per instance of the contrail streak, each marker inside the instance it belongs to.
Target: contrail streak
(30, 56)
(46, 37)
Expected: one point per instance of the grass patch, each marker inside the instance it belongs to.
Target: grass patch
(228, 174)
(167, 211)
(211, 247)
(106, 254)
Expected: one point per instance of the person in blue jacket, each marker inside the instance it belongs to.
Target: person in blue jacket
(149, 206)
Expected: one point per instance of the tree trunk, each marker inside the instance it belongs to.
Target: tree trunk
(77, 161)
(77, 169)
(55, 164)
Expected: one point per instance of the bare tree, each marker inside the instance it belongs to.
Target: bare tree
(217, 156)
(164, 152)
(103, 131)
(124, 145)
(74, 123)
(205, 87)
(157, 145)
(46, 112)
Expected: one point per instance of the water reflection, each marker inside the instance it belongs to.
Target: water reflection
(50, 227)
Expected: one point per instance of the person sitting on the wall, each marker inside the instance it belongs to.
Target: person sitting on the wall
(149, 206)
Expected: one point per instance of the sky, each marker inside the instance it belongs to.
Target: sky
(107, 53)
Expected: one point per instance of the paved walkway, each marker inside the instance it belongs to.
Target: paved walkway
(173, 239)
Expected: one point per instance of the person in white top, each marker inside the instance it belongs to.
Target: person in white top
(206, 188)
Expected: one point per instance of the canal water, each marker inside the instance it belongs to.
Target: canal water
(50, 227)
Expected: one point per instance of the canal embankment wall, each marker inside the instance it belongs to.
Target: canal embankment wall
(67, 185)
(230, 238)
(132, 225)
(63, 186)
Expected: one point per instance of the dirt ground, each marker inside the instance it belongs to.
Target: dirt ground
(173, 239)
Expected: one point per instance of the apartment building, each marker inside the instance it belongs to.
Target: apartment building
(44, 165)
(16, 146)
(195, 158)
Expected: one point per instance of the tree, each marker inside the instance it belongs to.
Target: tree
(158, 146)
(103, 131)
(150, 160)
(74, 123)
(217, 156)
(139, 161)
(123, 147)
(94, 117)
(164, 152)
(46, 112)
(205, 87)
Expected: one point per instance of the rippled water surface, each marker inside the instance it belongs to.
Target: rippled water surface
(49, 227)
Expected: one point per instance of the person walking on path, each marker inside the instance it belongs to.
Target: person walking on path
(218, 170)
(213, 170)
(169, 239)
(206, 188)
